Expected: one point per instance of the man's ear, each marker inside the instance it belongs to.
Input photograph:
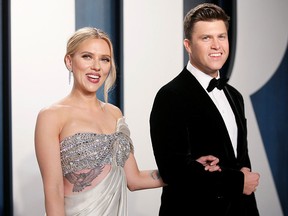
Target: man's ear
(187, 46)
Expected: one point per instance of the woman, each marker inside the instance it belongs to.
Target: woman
(82, 144)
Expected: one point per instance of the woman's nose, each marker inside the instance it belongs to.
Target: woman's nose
(96, 65)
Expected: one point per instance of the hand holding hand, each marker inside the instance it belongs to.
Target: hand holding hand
(210, 163)
(251, 181)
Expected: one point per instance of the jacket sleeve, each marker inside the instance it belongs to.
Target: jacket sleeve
(176, 163)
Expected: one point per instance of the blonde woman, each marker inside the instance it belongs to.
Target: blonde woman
(82, 144)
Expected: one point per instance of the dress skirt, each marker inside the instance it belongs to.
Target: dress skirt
(108, 198)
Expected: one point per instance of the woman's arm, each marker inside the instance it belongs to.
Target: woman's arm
(48, 156)
(146, 179)
(139, 180)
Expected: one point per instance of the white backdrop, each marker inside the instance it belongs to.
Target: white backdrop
(40, 30)
(152, 56)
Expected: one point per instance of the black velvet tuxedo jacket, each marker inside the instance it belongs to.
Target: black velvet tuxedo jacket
(185, 125)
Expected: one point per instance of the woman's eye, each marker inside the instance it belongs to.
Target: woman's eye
(106, 59)
(86, 56)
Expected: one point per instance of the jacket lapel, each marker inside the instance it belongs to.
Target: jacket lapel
(196, 91)
(236, 107)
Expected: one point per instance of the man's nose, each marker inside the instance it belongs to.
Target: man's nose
(215, 44)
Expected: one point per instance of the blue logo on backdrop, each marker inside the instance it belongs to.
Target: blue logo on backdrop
(271, 109)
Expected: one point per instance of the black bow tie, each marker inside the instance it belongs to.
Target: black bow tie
(219, 83)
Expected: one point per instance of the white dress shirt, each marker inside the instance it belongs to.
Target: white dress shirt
(221, 102)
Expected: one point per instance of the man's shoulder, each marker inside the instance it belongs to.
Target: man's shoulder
(233, 90)
(178, 80)
(176, 87)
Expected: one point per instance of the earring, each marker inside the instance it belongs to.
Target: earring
(70, 75)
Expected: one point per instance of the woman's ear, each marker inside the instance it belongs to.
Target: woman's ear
(68, 62)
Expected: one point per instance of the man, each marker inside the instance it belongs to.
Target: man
(190, 119)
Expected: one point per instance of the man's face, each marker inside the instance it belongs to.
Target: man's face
(209, 47)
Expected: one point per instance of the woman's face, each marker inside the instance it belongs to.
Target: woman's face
(90, 64)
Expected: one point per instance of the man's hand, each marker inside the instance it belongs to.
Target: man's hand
(251, 181)
(210, 163)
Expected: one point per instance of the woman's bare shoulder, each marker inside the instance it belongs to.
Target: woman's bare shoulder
(114, 110)
(54, 111)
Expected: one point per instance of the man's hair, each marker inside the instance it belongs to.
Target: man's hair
(204, 12)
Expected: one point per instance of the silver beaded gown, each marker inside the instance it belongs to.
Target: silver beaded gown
(94, 151)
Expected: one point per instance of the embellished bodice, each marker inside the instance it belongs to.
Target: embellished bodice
(90, 150)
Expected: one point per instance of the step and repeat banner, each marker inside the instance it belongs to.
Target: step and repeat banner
(151, 42)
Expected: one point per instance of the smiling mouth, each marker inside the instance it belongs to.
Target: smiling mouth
(93, 76)
(215, 54)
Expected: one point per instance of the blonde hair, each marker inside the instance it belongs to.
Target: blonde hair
(85, 33)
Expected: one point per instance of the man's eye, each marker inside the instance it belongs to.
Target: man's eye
(205, 38)
(222, 37)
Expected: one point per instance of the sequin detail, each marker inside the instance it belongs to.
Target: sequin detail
(91, 150)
